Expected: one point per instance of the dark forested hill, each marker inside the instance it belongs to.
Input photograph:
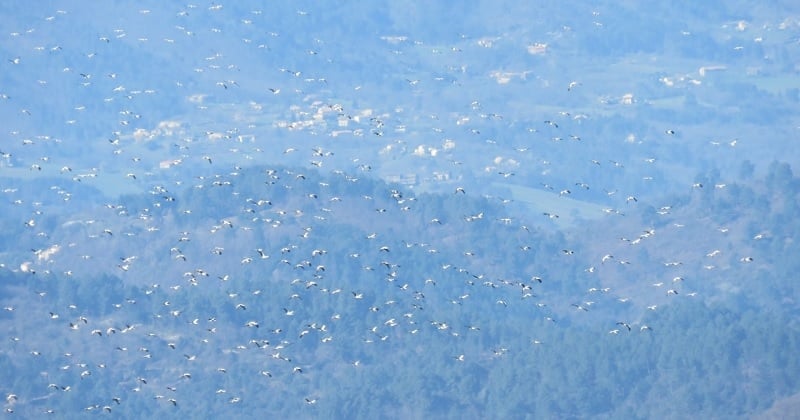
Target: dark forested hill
(278, 288)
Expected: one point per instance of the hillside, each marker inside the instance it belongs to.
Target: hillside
(399, 210)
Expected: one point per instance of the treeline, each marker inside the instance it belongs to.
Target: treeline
(440, 319)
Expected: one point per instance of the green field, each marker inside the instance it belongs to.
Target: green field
(569, 210)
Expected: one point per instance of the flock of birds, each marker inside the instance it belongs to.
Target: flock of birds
(303, 259)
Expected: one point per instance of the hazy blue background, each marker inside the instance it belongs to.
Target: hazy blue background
(400, 209)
